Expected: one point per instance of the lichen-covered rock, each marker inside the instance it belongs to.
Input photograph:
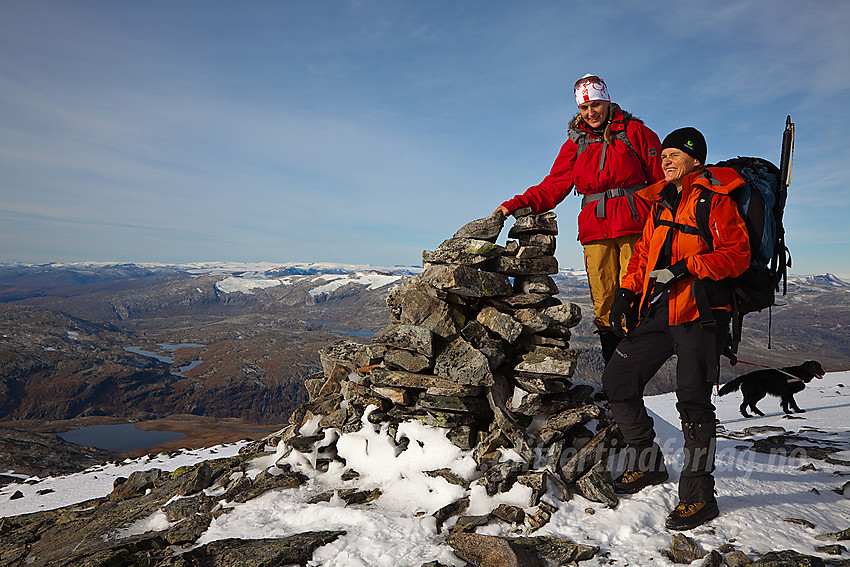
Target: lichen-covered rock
(536, 481)
(534, 224)
(533, 405)
(508, 513)
(466, 251)
(487, 228)
(466, 281)
(399, 396)
(590, 453)
(470, 404)
(555, 552)
(546, 242)
(713, 559)
(341, 352)
(542, 383)
(413, 305)
(557, 425)
(407, 360)
(462, 363)
(201, 478)
(500, 323)
(543, 360)
(137, 484)
(596, 485)
(525, 301)
(682, 550)
(265, 481)
(469, 523)
(567, 314)
(351, 496)
(491, 551)
(407, 337)
(834, 549)
(182, 508)
(291, 550)
(501, 477)
(788, 558)
(188, 530)
(430, 383)
(513, 266)
(451, 509)
(540, 283)
(532, 320)
(836, 536)
(737, 558)
(463, 437)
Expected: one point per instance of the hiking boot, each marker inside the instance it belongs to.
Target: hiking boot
(689, 516)
(631, 482)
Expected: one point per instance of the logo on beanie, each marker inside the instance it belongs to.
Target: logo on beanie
(690, 144)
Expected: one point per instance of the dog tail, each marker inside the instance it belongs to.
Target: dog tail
(731, 386)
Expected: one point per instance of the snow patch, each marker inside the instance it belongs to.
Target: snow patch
(370, 279)
(244, 285)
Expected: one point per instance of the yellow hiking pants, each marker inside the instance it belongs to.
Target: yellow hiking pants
(606, 262)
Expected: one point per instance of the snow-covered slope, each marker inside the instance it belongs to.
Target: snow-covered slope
(757, 492)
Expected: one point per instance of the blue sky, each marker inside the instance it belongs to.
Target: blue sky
(365, 132)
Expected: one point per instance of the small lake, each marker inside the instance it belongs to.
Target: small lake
(169, 348)
(119, 438)
(355, 333)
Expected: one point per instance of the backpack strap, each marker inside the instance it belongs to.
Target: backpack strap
(582, 138)
(705, 201)
(602, 198)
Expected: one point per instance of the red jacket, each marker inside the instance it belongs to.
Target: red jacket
(731, 253)
(622, 168)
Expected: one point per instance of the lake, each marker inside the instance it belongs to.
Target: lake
(119, 438)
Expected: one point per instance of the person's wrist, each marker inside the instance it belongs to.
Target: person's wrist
(680, 269)
(626, 294)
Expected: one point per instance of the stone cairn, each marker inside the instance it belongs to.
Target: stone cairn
(479, 344)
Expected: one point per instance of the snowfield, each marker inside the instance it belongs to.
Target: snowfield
(247, 282)
(245, 285)
(757, 492)
(371, 280)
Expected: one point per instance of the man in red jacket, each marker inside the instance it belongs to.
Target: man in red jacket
(670, 261)
(609, 156)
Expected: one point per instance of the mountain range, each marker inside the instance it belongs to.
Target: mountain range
(229, 340)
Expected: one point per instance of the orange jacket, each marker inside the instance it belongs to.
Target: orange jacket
(731, 253)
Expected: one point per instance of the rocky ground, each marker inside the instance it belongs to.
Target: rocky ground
(96, 533)
(37, 454)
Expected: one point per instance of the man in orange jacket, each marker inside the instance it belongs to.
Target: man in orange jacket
(658, 305)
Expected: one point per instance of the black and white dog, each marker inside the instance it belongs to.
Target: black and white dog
(783, 383)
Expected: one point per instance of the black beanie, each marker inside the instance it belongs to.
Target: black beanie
(689, 140)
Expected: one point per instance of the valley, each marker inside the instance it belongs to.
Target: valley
(221, 352)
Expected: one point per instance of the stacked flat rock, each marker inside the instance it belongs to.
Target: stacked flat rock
(479, 344)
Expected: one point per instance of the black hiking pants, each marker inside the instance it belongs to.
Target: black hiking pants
(637, 359)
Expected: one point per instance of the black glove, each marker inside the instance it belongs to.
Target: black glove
(669, 275)
(625, 306)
